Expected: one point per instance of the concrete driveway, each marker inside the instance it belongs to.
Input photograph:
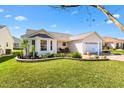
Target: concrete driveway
(116, 57)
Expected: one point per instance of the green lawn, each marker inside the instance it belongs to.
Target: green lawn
(61, 73)
(121, 52)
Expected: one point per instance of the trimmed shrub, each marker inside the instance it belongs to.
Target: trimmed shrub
(104, 57)
(44, 56)
(59, 55)
(69, 55)
(96, 56)
(17, 53)
(51, 55)
(62, 55)
(76, 55)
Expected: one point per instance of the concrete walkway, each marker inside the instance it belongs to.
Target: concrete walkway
(116, 57)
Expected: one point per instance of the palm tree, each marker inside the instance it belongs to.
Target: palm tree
(25, 45)
(33, 50)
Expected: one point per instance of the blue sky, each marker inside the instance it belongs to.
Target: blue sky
(73, 21)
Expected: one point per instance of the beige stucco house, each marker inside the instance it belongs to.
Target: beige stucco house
(53, 42)
(114, 43)
(6, 40)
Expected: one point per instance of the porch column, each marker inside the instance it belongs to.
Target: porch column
(101, 44)
(98, 45)
(83, 48)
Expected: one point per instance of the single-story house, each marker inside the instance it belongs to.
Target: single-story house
(53, 42)
(114, 43)
(17, 43)
(6, 40)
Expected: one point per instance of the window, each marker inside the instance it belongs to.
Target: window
(51, 45)
(64, 43)
(33, 42)
(43, 45)
(6, 44)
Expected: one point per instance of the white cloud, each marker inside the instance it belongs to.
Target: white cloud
(16, 27)
(109, 22)
(116, 15)
(20, 18)
(74, 12)
(8, 16)
(1, 10)
(53, 26)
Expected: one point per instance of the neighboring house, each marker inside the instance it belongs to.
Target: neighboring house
(17, 43)
(6, 40)
(53, 42)
(114, 43)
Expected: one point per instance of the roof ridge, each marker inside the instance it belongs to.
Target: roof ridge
(84, 33)
(60, 32)
(112, 37)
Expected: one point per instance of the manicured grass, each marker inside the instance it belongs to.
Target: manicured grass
(61, 73)
(121, 52)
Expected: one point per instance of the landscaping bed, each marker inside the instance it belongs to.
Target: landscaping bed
(45, 59)
(55, 58)
(47, 56)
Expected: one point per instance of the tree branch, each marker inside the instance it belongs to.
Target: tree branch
(110, 16)
(102, 9)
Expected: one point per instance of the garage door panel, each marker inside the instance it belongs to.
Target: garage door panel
(91, 47)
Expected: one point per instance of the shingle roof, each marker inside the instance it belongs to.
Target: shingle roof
(112, 40)
(61, 36)
(80, 36)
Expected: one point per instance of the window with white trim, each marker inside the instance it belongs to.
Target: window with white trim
(43, 45)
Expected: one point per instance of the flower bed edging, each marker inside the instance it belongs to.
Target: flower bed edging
(95, 59)
(46, 59)
(35, 60)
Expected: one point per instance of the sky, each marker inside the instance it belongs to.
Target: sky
(73, 20)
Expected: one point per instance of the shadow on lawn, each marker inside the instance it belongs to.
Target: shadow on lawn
(6, 58)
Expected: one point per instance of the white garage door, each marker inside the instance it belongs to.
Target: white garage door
(91, 47)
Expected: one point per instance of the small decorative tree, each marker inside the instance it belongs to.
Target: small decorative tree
(33, 50)
(25, 45)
